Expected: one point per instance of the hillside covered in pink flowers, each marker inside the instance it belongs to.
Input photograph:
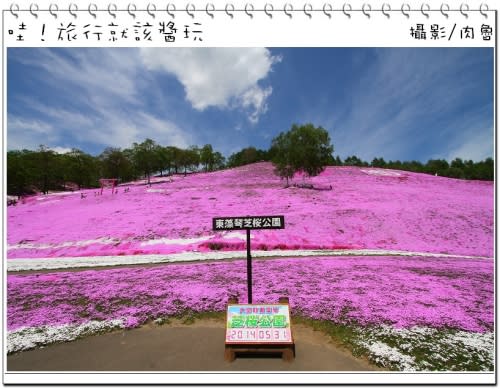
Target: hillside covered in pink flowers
(365, 208)
(412, 277)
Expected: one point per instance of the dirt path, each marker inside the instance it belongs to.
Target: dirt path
(179, 347)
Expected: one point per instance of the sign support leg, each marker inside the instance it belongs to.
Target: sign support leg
(249, 268)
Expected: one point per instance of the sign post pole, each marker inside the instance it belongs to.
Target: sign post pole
(256, 327)
(249, 268)
(248, 223)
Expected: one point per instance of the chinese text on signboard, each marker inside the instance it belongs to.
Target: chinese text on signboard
(248, 222)
(258, 323)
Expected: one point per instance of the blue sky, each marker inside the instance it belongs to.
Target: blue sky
(396, 103)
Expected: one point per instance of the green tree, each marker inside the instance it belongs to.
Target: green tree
(469, 169)
(249, 155)
(395, 165)
(337, 161)
(457, 163)
(189, 159)
(484, 170)
(19, 172)
(146, 157)
(175, 156)
(454, 172)
(437, 166)
(282, 151)
(414, 166)
(116, 163)
(311, 148)
(353, 161)
(45, 168)
(81, 168)
(207, 157)
(378, 162)
(193, 156)
(304, 148)
(164, 159)
(183, 160)
(134, 170)
(218, 161)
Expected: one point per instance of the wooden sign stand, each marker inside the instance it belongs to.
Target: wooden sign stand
(260, 341)
(287, 351)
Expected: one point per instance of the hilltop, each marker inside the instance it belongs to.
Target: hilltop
(366, 208)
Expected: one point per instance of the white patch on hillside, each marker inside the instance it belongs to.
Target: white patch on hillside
(50, 202)
(50, 194)
(155, 190)
(179, 241)
(381, 172)
(26, 338)
(64, 193)
(79, 243)
(82, 243)
(236, 235)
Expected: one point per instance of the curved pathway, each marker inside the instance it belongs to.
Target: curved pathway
(34, 264)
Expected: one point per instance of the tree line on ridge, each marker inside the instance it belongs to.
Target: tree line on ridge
(304, 148)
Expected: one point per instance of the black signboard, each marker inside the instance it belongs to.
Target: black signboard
(248, 222)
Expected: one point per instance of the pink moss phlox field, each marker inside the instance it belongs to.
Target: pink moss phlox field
(366, 208)
(402, 292)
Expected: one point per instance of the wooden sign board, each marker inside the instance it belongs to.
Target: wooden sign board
(248, 223)
(258, 324)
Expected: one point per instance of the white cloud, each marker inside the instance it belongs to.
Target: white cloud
(97, 75)
(28, 133)
(256, 97)
(471, 137)
(127, 128)
(60, 115)
(102, 105)
(477, 149)
(218, 77)
(98, 94)
(29, 125)
(163, 131)
(60, 150)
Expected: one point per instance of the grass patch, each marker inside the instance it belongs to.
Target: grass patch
(342, 335)
(162, 321)
(415, 349)
(190, 317)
